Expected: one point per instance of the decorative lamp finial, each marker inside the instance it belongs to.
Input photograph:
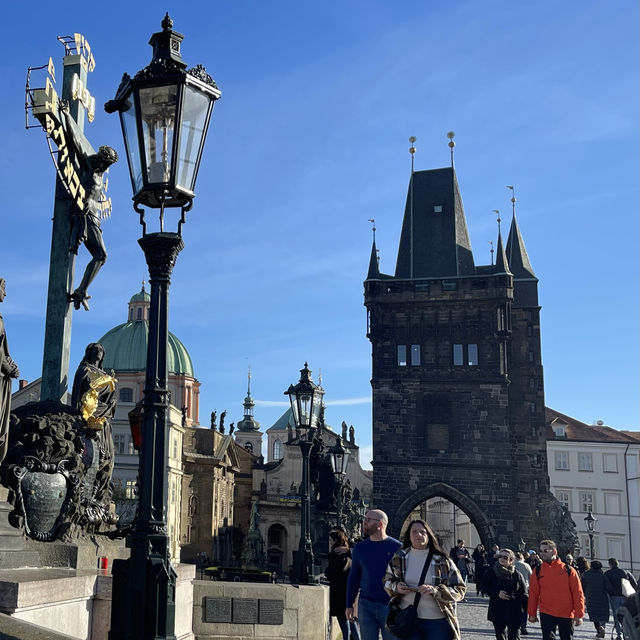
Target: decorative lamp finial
(167, 22)
(412, 149)
(491, 250)
(499, 219)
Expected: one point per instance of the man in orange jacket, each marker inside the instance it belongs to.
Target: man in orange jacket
(555, 589)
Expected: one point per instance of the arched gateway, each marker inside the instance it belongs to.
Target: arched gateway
(457, 380)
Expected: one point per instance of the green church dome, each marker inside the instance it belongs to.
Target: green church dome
(126, 345)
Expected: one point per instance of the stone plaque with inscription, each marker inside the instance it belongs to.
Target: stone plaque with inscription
(245, 610)
(217, 609)
(270, 611)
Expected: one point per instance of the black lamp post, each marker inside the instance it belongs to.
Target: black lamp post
(164, 112)
(591, 524)
(306, 402)
(339, 457)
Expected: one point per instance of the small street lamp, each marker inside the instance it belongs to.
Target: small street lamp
(164, 112)
(306, 402)
(591, 524)
(339, 457)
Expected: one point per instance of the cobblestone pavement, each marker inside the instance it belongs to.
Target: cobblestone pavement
(472, 615)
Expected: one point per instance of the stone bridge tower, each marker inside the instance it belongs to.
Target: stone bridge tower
(458, 395)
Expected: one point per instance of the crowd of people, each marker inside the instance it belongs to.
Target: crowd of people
(381, 575)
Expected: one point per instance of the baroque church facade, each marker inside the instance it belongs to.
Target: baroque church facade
(457, 379)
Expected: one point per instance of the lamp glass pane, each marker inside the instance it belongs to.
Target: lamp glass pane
(294, 410)
(128, 120)
(194, 121)
(158, 115)
(305, 409)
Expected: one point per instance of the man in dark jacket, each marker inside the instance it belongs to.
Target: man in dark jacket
(613, 586)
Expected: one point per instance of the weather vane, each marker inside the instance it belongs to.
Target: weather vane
(491, 251)
(412, 149)
(499, 219)
(513, 199)
(451, 135)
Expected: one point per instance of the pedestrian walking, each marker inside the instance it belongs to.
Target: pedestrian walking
(582, 564)
(508, 596)
(613, 586)
(461, 556)
(596, 597)
(337, 573)
(438, 591)
(525, 571)
(555, 590)
(369, 563)
(479, 557)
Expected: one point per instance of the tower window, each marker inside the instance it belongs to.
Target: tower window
(458, 359)
(126, 394)
(277, 450)
(139, 313)
(402, 355)
(473, 355)
(449, 285)
(415, 355)
(437, 208)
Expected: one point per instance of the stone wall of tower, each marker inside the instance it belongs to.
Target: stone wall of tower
(464, 431)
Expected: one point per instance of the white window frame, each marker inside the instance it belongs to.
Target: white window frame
(561, 459)
(614, 496)
(587, 501)
(564, 497)
(607, 467)
(585, 461)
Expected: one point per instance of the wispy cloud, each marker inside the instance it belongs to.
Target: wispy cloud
(329, 403)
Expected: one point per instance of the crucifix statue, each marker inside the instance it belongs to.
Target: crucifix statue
(80, 201)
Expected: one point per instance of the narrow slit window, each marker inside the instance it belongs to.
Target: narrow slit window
(473, 355)
(402, 355)
(458, 360)
(415, 355)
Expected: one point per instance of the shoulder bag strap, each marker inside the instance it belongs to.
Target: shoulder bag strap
(427, 562)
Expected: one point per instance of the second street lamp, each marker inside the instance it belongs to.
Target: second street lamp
(164, 112)
(339, 457)
(591, 524)
(306, 402)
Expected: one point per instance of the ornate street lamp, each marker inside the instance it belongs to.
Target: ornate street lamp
(591, 524)
(306, 402)
(339, 457)
(164, 112)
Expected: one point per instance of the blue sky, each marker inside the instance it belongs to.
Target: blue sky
(310, 141)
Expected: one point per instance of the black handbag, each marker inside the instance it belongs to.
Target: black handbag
(402, 622)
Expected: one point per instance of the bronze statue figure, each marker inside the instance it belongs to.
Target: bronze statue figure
(93, 396)
(8, 371)
(86, 222)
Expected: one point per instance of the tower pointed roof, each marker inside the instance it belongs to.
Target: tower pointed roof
(374, 268)
(502, 264)
(434, 241)
(517, 253)
(248, 423)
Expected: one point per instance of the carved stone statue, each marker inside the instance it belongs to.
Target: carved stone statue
(232, 426)
(223, 415)
(86, 222)
(253, 555)
(8, 371)
(184, 416)
(289, 432)
(213, 419)
(352, 435)
(93, 396)
(344, 430)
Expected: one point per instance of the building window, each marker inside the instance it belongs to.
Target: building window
(126, 394)
(175, 448)
(530, 355)
(277, 450)
(139, 313)
(562, 460)
(615, 547)
(131, 449)
(415, 355)
(458, 359)
(585, 462)
(610, 463)
(585, 542)
(119, 443)
(612, 504)
(130, 489)
(586, 501)
(472, 355)
(402, 355)
(564, 497)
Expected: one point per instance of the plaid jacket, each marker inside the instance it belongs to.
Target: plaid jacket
(450, 589)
